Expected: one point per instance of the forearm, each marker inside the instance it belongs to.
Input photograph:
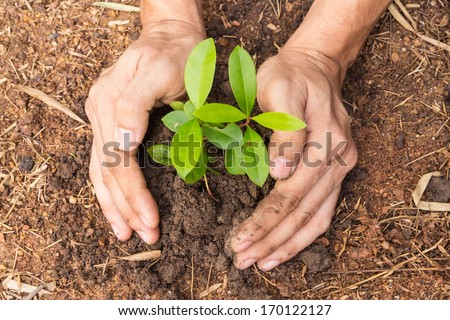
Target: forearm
(188, 12)
(338, 28)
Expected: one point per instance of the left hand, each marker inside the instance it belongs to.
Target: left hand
(309, 164)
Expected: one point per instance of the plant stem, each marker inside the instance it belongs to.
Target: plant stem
(208, 189)
(246, 123)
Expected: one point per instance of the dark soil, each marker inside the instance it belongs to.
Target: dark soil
(53, 227)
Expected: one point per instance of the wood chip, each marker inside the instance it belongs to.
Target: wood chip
(2, 238)
(395, 57)
(406, 13)
(143, 256)
(13, 285)
(400, 19)
(434, 42)
(271, 26)
(210, 290)
(444, 21)
(118, 23)
(442, 250)
(117, 6)
(420, 189)
(38, 94)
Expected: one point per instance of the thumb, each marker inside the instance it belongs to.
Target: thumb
(132, 113)
(285, 147)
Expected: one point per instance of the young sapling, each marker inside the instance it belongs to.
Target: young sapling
(196, 121)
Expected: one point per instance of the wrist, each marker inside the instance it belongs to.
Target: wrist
(175, 15)
(329, 67)
(338, 29)
(334, 60)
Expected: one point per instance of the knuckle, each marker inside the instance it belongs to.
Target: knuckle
(107, 177)
(95, 89)
(88, 109)
(315, 155)
(92, 170)
(128, 104)
(323, 225)
(350, 156)
(302, 219)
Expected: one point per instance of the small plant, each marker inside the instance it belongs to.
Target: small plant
(197, 122)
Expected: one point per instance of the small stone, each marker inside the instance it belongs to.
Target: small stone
(447, 97)
(73, 199)
(53, 36)
(417, 43)
(395, 57)
(26, 164)
(26, 130)
(236, 23)
(89, 232)
(400, 140)
(316, 258)
(222, 42)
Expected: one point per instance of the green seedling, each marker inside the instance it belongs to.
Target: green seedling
(227, 127)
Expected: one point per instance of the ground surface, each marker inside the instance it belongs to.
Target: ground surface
(379, 247)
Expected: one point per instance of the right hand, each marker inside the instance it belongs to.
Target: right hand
(150, 73)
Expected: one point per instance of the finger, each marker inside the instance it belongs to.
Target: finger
(282, 95)
(134, 104)
(318, 225)
(109, 209)
(287, 194)
(122, 176)
(287, 227)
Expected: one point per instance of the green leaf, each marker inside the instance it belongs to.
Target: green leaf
(160, 153)
(174, 120)
(279, 121)
(189, 109)
(199, 170)
(199, 72)
(186, 147)
(255, 157)
(226, 138)
(219, 112)
(242, 73)
(233, 161)
(177, 105)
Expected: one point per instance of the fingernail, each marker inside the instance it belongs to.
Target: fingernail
(125, 138)
(242, 246)
(246, 263)
(115, 230)
(282, 162)
(269, 265)
(281, 168)
(144, 236)
(146, 222)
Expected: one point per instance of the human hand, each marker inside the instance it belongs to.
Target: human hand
(308, 164)
(149, 73)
